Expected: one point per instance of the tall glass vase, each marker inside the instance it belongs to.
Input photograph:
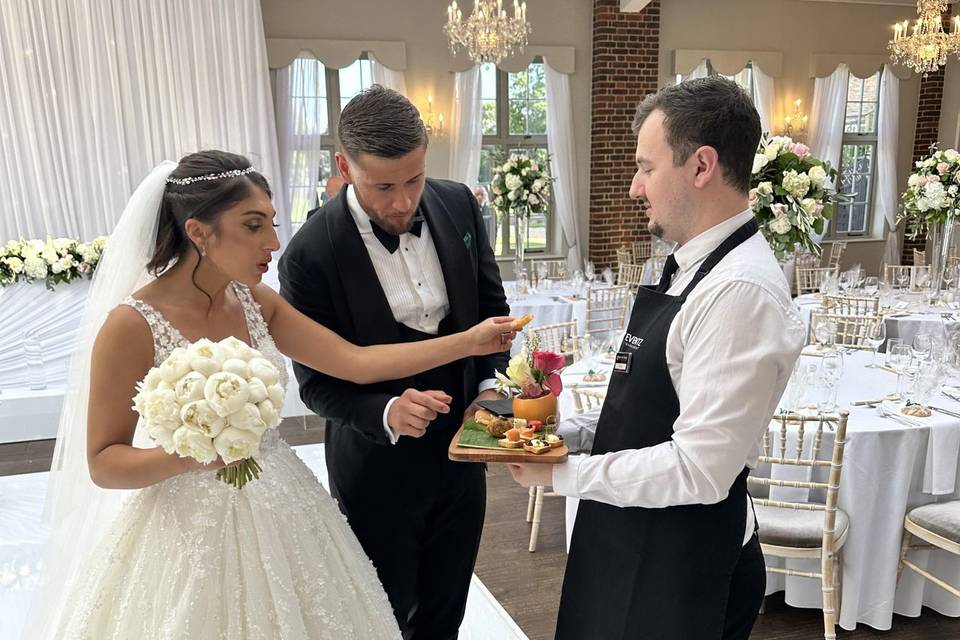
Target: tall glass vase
(941, 236)
(520, 245)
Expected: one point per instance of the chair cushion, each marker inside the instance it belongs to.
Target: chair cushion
(799, 528)
(942, 519)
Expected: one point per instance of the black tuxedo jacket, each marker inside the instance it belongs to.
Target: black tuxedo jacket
(327, 274)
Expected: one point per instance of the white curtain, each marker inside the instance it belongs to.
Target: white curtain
(300, 125)
(700, 72)
(387, 77)
(763, 98)
(563, 162)
(887, 189)
(827, 114)
(97, 93)
(466, 134)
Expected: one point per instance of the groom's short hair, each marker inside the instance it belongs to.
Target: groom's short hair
(381, 122)
(713, 112)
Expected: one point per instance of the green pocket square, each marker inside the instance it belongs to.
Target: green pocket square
(468, 239)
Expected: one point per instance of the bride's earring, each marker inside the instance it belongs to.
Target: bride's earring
(203, 252)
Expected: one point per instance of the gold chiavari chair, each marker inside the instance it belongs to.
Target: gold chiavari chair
(806, 529)
(836, 251)
(899, 275)
(561, 337)
(630, 275)
(624, 255)
(851, 305)
(641, 251)
(809, 280)
(607, 309)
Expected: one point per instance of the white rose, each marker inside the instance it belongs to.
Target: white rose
(35, 268)
(236, 444)
(15, 264)
(159, 409)
(537, 185)
(759, 162)
(809, 206)
(87, 253)
(771, 152)
(193, 444)
(275, 393)
(269, 414)
(50, 254)
(258, 390)
(190, 387)
(916, 179)
(512, 196)
(175, 366)
(62, 264)
(817, 175)
(265, 370)
(780, 225)
(62, 244)
(951, 155)
(13, 246)
(765, 188)
(226, 392)
(199, 416)
(237, 366)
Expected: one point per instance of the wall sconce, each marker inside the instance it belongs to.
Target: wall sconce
(432, 121)
(796, 123)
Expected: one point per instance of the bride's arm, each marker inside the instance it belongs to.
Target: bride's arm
(122, 355)
(312, 344)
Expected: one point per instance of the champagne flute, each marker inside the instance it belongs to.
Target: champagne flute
(899, 359)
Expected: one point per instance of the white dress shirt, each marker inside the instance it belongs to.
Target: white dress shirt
(730, 351)
(411, 278)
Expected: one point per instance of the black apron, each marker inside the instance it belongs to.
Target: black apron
(656, 574)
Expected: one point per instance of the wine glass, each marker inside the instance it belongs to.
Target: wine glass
(825, 332)
(899, 357)
(542, 271)
(589, 271)
(871, 285)
(845, 281)
(922, 346)
(830, 372)
(875, 336)
(903, 278)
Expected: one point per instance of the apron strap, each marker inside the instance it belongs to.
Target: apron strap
(734, 240)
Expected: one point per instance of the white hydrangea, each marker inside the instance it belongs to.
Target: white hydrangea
(35, 268)
(796, 184)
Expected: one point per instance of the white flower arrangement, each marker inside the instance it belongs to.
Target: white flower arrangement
(520, 186)
(932, 190)
(212, 399)
(54, 261)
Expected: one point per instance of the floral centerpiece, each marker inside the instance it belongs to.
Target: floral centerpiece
(533, 379)
(792, 195)
(53, 261)
(520, 187)
(931, 203)
(212, 399)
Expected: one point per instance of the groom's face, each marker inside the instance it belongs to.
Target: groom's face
(388, 189)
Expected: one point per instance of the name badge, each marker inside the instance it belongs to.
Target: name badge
(623, 362)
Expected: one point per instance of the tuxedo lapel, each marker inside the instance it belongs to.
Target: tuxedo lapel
(363, 293)
(454, 259)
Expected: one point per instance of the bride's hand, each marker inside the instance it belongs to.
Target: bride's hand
(189, 464)
(493, 335)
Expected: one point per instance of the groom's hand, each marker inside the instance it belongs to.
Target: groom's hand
(489, 394)
(414, 410)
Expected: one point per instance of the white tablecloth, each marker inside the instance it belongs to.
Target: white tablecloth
(888, 468)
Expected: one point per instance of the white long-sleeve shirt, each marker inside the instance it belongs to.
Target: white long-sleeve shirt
(730, 351)
(412, 280)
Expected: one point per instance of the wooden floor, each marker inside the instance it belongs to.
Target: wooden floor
(528, 584)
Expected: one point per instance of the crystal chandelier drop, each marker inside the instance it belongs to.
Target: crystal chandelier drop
(927, 47)
(488, 34)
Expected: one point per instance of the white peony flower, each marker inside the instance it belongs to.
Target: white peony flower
(276, 393)
(190, 387)
(258, 390)
(205, 356)
(163, 437)
(780, 225)
(237, 366)
(175, 366)
(269, 414)
(159, 408)
(265, 370)
(35, 268)
(226, 392)
(818, 175)
(200, 416)
(151, 380)
(247, 418)
(232, 347)
(236, 444)
(193, 444)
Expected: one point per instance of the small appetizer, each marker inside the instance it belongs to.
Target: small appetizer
(536, 446)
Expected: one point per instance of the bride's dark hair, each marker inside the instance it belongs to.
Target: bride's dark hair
(203, 200)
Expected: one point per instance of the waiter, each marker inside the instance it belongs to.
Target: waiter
(665, 543)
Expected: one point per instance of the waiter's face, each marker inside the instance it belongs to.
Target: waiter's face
(664, 187)
(388, 189)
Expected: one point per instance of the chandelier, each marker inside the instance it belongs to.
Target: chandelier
(927, 47)
(487, 34)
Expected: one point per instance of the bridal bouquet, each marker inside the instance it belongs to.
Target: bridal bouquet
(210, 399)
(931, 195)
(791, 194)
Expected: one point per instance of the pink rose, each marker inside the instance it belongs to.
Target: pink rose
(779, 209)
(818, 211)
(942, 168)
(933, 178)
(83, 267)
(548, 362)
(800, 150)
(753, 198)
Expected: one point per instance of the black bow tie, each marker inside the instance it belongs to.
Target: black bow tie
(391, 242)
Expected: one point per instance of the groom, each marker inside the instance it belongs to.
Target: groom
(395, 257)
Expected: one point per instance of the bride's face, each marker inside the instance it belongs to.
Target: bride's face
(242, 242)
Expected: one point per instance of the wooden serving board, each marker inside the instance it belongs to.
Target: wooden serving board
(475, 454)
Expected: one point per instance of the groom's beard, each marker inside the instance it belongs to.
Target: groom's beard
(393, 223)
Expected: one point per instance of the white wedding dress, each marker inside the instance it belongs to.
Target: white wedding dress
(193, 557)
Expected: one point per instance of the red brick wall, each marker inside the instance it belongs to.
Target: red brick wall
(928, 126)
(626, 50)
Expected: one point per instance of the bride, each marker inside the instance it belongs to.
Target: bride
(150, 545)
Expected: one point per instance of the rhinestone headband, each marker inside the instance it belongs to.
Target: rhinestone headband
(235, 173)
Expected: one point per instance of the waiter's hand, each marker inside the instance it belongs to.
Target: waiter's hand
(532, 475)
(489, 394)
